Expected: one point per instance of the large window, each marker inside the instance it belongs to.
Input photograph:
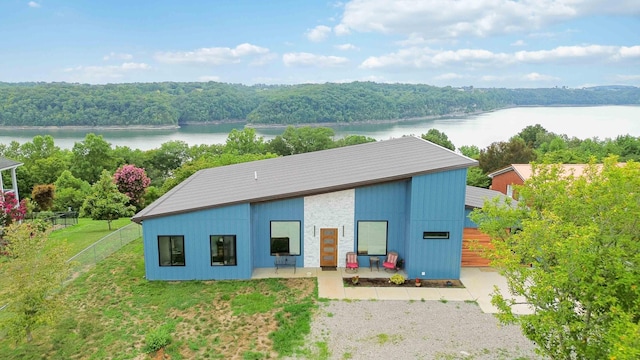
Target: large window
(285, 237)
(171, 250)
(223, 250)
(372, 237)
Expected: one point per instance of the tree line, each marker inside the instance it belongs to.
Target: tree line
(175, 104)
(66, 176)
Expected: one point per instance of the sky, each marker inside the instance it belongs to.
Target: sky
(480, 43)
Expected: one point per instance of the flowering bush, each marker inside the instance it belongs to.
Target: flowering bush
(133, 182)
(10, 210)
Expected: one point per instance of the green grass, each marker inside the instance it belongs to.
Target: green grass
(83, 234)
(113, 312)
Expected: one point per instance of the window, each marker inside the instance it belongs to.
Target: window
(435, 235)
(285, 237)
(372, 237)
(223, 250)
(171, 250)
(510, 191)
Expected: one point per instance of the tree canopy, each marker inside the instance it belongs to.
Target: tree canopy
(173, 103)
(571, 250)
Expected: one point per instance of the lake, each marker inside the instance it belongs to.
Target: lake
(480, 130)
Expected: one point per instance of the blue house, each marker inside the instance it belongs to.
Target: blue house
(405, 195)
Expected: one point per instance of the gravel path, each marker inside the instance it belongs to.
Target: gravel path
(415, 330)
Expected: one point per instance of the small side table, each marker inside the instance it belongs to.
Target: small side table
(374, 260)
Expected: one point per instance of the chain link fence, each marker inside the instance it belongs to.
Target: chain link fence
(57, 219)
(102, 248)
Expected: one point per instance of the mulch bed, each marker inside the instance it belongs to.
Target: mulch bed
(384, 282)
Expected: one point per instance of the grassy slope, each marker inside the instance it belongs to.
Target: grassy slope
(85, 233)
(112, 309)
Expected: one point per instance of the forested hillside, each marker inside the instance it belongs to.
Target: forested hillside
(174, 104)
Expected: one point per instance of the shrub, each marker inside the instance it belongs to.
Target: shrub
(157, 339)
(397, 279)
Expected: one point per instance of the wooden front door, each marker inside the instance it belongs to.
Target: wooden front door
(328, 247)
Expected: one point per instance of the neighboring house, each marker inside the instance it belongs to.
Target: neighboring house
(405, 195)
(475, 198)
(8, 167)
(503, 180)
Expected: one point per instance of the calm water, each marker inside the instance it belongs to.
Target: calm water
(480, 130)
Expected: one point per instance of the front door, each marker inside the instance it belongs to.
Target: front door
(328, 247)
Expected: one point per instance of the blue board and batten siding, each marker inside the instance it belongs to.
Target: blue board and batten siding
(261, 216)
(432, 202)
(437, 204)
(196, 227)
(384, 202)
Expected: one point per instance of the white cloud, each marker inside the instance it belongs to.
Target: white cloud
(534, 76)
(102, 73)
(423, 57)
(518, 43)
(319, 33)
(448, 76)
(346, 47)
(452, 19)
(33, 4)
(212, 56)
(117, 56)
(307, 59)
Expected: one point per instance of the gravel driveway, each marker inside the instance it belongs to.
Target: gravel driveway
(415, 330)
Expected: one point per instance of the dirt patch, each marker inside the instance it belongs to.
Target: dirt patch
(384, 282)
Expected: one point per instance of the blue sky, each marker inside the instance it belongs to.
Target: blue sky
(484, 43)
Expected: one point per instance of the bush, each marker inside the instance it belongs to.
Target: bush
(156, 340)
(397, 279)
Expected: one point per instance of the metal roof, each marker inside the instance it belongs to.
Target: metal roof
(476, 196)
(8, 163)
(306, 174)
(524, 171)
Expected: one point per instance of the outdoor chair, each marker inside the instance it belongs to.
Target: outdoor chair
(390, 262)
(352, 262)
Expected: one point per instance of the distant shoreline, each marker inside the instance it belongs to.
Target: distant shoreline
(283, 126)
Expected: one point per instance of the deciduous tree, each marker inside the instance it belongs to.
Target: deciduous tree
(438, 137)
(105, 202)
(574, 258)
(133, 182)
(43, 196)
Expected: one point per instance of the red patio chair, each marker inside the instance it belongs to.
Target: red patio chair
(352, 262)
(390, 263)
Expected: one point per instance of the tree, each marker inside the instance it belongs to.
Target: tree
(105, 202)
(244, 141)
(90, 157)
(133, 182)
(501, 154)
(438, 137)
(43, 196)
(574, 257)
(70, 192)
(302, 140)
(34, 277)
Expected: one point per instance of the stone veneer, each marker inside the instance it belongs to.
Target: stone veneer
(332, 210)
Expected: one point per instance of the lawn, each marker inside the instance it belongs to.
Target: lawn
(114, 313)
(85, 233)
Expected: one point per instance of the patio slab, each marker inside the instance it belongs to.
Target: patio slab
(479, 284)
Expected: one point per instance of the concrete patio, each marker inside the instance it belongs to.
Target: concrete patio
(479, 283)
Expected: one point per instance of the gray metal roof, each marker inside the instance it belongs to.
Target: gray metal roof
(476, 196)
(306, 174)
(8, 163)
